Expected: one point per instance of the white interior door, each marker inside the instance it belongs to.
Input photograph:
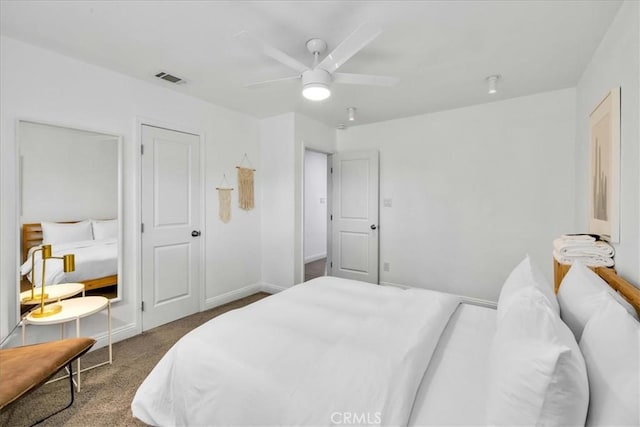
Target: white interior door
(171, 225)
(355, 216)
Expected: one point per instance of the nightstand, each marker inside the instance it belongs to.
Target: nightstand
(74, 309)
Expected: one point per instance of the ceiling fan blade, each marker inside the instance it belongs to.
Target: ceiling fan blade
(361, 37)
(365, 79)
(269, 82)
(274, 53)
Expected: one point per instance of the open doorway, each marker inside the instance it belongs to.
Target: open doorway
(315, 214)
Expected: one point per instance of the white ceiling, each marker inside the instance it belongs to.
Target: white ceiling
(441, 50)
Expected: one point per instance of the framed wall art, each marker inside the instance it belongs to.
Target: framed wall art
(604, 170)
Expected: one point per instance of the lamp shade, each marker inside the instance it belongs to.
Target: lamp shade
(46, 251)
(69, 263)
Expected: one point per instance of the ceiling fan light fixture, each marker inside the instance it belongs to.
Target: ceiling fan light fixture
(316, 85)
(316, 91)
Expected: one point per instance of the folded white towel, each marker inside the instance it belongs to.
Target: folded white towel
(586, 249)
(562, 242)
(591, 261)
(578, 237)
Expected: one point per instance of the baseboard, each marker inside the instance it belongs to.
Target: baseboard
(314, 258)
(395, 285)
(231, 296)
(272, 289)
(118, 334)
(466, 300)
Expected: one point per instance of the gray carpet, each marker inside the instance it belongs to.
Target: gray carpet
(107, 391)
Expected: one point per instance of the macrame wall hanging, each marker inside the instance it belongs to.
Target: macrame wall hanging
(224, 200)
(245, 184)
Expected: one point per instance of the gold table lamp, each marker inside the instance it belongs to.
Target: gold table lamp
(46, 253)
(69, 265)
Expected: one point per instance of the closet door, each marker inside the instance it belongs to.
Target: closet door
(171, 242)
(355, 216)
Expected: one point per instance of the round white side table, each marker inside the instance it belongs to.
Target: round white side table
(74, 309)
(54, 292)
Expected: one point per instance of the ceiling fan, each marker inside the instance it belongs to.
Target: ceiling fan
(317, 79)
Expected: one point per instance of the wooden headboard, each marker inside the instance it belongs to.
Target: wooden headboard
(31, 236)
(609, 275)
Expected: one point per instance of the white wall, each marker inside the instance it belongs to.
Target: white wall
(278, 232)
(315, 206)
(66, 174)
(473, 190)
(615, 63)
(283, 141)
(76, 94)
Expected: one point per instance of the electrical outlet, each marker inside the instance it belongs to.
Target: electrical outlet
(323, 200)
(387, 203)
(385, 266)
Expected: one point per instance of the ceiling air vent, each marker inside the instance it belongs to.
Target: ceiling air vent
(168, 77)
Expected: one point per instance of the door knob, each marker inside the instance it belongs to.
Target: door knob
(195, 233)
(373, 226)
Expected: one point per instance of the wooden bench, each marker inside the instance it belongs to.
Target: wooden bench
(24, 369)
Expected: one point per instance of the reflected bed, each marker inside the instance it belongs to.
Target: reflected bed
(96, 267)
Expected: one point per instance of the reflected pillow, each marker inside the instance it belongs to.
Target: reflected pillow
(55, 233)
(107, 229)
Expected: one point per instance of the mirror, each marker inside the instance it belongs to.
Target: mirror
(69, 197)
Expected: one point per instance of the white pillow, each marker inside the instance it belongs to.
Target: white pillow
(107, 229)
(537, 373)
(525, 275)
(611, 347)
(582, 293)
(55, 233)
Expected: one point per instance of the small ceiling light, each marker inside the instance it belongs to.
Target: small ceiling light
(341, 126)
(352, 113)
(493, 80)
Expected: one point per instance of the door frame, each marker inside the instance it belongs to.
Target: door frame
(142, 121)
(329, 202)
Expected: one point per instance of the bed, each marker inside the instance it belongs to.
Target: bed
(333, 351)
(96, 260)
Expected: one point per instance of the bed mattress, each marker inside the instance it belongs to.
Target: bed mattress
(93, 259)
(321, 353)
(454, 386)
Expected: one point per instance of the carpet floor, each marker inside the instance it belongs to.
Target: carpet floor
(107, 391)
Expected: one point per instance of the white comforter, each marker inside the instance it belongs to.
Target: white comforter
(329, 351)
(93, 259)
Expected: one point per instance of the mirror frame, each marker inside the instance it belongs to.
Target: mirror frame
(120, 197)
